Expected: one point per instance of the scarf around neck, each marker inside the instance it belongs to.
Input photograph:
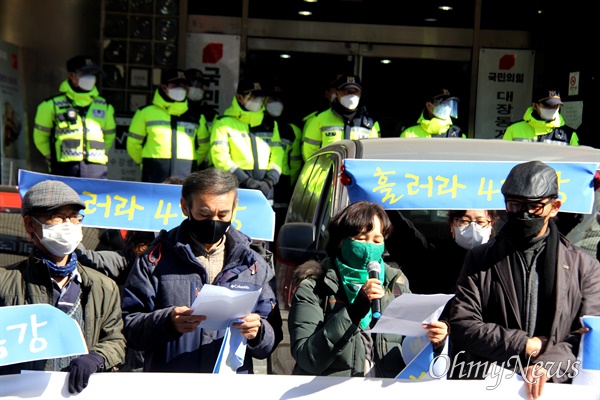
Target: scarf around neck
(352, 281)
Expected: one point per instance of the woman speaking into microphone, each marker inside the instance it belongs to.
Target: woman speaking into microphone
(333, 308)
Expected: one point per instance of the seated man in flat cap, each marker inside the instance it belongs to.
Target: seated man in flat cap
(520, 296)
(52, 275)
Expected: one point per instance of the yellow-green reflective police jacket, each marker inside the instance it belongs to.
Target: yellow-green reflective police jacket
(328, 127)
(163, 141)
(60, 135)
(433, 128)
(242, 145)
(531, 129)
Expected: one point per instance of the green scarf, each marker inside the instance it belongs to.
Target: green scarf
(352, 281)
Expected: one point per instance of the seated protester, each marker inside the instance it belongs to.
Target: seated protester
(331, 313)
(167, 277)
(53, 275)
(433, 266)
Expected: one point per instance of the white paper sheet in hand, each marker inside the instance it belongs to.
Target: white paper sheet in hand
(221, 305)
(408, 312)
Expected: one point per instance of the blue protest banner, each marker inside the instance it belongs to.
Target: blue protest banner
(591, 343)
(418, 354)
(152, 206)
(38, 332)
(396, 184)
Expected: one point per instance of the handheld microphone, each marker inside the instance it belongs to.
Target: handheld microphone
(374, 267)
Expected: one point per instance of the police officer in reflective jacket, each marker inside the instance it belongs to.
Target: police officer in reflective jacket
(162, 136)
(436, 120)
(542, 122)
(347, 118)
(75, 129)
(241, 143)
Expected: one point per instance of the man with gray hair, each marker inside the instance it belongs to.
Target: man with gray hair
(520, 297)
(52, 275)
(167, 277)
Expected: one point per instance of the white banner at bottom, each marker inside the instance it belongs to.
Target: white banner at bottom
(147, 385)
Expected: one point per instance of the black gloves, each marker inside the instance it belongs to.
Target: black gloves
(251, 183)
(80, 370)
(264, 186)
(360, 307)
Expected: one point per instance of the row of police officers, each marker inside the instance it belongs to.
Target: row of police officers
(177, 133)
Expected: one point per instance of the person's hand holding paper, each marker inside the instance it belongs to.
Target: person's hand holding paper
(219, 305)
(407, 314)
(184, 321)
(249, 326)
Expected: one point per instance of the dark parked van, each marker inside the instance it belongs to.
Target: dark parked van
(321, 191)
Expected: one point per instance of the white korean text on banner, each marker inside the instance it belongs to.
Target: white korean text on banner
(38, 332)
(504, 90)
(152, 206)
(12, 130)
(218, 57)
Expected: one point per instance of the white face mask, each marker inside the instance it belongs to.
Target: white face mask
(548, 114)
(195, 94)
(176, 94)
(350, 101)
(61, 239)
(254, 104)
(275, 108)
(86, 82)
(471, 235)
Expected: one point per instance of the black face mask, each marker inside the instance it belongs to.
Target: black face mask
(208, 231)
(523, 226)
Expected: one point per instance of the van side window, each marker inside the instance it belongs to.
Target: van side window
(313, 195)
(308, 192)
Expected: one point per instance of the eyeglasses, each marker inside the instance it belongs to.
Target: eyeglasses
(60, 218)
(532, 207)
(483, 223)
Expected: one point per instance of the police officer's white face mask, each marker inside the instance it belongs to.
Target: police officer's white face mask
(176, 93)
(254, 104)
(548, 114)
(86, 82)
(275, 108)
(350, 101)
(195, 94)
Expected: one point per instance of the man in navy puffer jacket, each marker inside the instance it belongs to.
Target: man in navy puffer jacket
(167, 277)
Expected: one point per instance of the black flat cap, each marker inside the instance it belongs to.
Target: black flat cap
(532, 180)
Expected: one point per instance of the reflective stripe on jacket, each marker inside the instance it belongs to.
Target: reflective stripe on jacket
(531, 129)
(328, 127)
(241, 144)
(75, 126)
(151, 131)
